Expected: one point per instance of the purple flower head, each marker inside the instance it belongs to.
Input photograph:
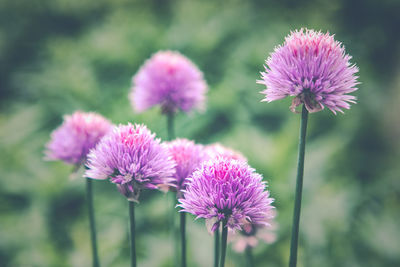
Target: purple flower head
(133, 159)
(171, 80)
(217, 150)
(251, 233)
(79, 133)
(312, 67)
(188, 157)
(230, 191)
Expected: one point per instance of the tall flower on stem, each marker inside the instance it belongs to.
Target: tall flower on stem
(132, 158)
(172, 81)
(226, 192)
(213, 151)
(71, 143)
(188, 157)
(314, 68)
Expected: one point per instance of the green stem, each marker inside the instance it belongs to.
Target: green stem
(249, 257)
(89, 196)
(171, 135)
(132, 230)
(224, 240)
(170, 126)
(183, 239)
(299, 189)
(216, 247)
(174, 231)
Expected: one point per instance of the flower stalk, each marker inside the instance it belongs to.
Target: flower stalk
(224, 239)
(216, 247)
(170, 126)
(183, 239)
(299, 188)
(249, 257)
(89, 199)
(132, 232)
(175, 231)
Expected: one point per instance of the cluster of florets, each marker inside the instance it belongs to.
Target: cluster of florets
(188, 156)
(79, 133)
(227, 191)
(312, 67)
(171, 80)
(131, 157)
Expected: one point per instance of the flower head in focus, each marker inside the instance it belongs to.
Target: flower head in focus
(171, 80)
(251, 233)
(188, 156)
(312, 67)
(217, 150)
(228, 191)
(133, 159)
(79, 133)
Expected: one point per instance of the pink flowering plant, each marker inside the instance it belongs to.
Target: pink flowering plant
(71, 142)
(170, 80)
(212, 182)
(229, 193)
(315, 69)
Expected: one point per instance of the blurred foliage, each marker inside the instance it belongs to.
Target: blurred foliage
(57, 56)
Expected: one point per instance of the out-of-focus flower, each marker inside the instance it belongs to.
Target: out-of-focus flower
(314, 68)
(188, 156)
(217, 150)
(79, 133)
(229, 191)
(133, 159)
(252, 233)
(171, 80)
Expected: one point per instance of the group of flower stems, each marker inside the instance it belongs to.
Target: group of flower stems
(310, 66)
(220, 240)
(220, 233)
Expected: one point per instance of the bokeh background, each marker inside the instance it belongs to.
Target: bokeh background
(57, 56)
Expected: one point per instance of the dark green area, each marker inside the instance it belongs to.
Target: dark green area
(57, 56)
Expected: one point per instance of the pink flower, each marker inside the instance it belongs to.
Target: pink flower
(225, 190)
(79, 133)
(171, 80)
(133, 159)
(188, 156)
(312, 67)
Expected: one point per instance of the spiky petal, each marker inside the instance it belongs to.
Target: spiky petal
(312, 67)
(131, 157)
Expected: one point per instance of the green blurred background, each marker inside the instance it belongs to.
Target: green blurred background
(57, 56)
